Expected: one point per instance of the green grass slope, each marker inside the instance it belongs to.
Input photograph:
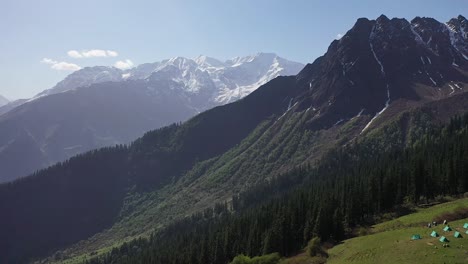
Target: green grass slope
(390, 242)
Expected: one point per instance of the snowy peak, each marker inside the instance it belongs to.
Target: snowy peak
(382, 61)
(459, 25)
(259, 58)
(208, 63)
(226, 81)
(84, 78)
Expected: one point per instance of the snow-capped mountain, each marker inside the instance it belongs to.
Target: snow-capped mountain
(215, 81)
(382, 66)
(3, 101)
(101, 106)
(83, 78)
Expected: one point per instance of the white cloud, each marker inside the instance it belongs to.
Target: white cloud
(92, 53)
(74, 54)
(60, 65)
(48, 61)
(65, 66)
(112, 53)
(123, 65)
(339, 36)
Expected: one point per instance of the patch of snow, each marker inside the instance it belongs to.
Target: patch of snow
(387, 102)
(422, 60)
(429, 60)
(72, 147)
(289, 108)
(451, 31)
(417, 37)
(360, 113)
(432, 80)
(377, 59)
(339, 121)
(453, 89)
(429, 41)
(463, 33)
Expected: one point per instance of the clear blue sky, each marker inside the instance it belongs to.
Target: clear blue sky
(147, 31)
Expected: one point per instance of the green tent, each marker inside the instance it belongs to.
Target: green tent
(443, 239)
(434, 234)
(447, 228)
(457, 234)
(465, 225)
(416, 237)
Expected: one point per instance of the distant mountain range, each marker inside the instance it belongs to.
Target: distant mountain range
(219, 82)
(103, 106)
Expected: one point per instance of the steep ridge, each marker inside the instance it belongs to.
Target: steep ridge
(363, 81)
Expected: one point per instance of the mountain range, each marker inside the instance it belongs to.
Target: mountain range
(103, 106)
(383, 86)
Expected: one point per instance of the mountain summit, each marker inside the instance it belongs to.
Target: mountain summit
(383, 62)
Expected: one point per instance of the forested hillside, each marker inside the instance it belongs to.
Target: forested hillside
(348, 188)
(72, 200)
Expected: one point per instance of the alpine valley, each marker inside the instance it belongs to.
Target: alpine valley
(104, 106)
(376, 124)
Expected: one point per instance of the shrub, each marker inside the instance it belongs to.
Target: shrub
(458, 213)
(273, 258)
(313, 247)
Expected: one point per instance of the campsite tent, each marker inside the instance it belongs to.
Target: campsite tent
(465, 225)
(443, 239)
(434, 234)
(457, 234)
(447, 228)
(416, 237)
(466, 232)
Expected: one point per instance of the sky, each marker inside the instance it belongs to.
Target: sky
(43, 41)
